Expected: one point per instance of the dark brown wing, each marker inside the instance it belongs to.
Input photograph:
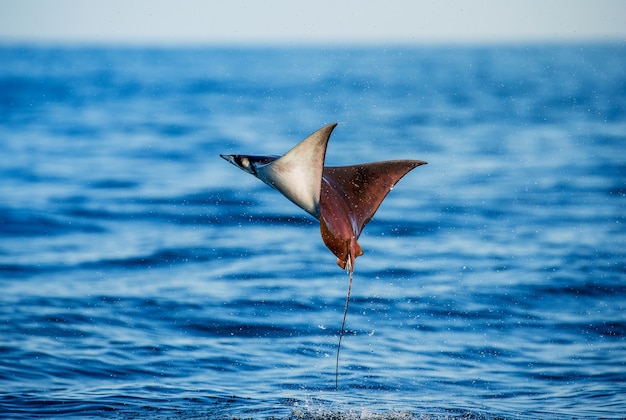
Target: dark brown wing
(349, 198)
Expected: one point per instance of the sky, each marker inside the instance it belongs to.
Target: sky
(322, 21)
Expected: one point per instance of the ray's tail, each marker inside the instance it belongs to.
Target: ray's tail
(350, 268)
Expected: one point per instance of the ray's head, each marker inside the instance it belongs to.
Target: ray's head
(243, 162)
(249, 163)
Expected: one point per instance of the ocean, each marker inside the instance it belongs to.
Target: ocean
(142, 276)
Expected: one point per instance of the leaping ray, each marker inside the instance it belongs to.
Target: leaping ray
(343, 198)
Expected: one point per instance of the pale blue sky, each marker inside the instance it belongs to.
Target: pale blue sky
(322, 21)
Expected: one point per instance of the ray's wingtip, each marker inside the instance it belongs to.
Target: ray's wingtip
(417, 163)
(329, 128)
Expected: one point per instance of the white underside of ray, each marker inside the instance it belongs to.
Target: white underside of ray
(298, 173)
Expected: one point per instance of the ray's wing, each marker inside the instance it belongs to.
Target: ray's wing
(350, 195)
(298, 173)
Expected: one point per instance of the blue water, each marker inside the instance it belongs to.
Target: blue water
(142, 276)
